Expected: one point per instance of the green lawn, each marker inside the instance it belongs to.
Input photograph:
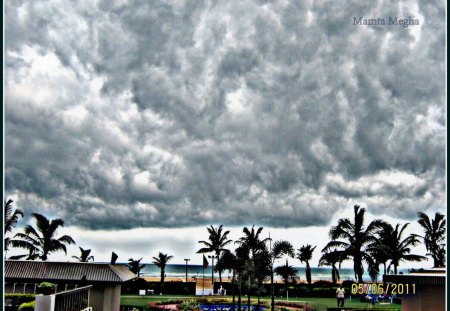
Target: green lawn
(316, 303)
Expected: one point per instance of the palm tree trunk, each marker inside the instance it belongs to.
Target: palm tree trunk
(333, 274)
(358, 268)
(308, 273)
(162, 275)
(272, 290)
(259, 295)
(435, 261)
(240, 294)
(248, 294)
(232, 290)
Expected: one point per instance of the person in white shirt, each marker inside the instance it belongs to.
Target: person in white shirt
(340, 295)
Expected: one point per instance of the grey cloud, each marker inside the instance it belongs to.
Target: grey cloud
(184, 114)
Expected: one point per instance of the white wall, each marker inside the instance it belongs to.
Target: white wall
(44, 303)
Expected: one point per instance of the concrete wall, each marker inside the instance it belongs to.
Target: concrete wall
(105, 298)
(426, 299)
(45, 303)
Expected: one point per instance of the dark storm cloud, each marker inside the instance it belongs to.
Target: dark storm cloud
(186, 113)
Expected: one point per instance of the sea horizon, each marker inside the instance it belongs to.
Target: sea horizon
(317, 273)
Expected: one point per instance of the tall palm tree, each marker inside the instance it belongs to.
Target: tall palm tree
(41, 242)
(11, 219)
(399, 249)
(353, 238)
(304, 255)
(332, 258)
(252, 243)
(85, 255)
(263, 265)
(135, 266)
(217, 242)
(434, 238)
(278, 250)
(243, 270)
(161, 262)
(228, 261)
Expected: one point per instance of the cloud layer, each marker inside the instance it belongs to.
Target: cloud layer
(153, 114)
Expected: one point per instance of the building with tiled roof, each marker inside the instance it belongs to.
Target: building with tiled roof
(23, 276)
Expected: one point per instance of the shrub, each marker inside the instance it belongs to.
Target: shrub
(46, 285)
(167, 288)
(323, 283)
(283, 304)
(18, 299)
(190, 305)
(46, 288)
(347, 283)
(27, 306)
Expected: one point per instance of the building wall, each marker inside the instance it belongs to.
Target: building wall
(96, 298)
(427, 298)
(105, 298)
(44, 302)
(115, 302)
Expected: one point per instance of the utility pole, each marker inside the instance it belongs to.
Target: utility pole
(186, 259)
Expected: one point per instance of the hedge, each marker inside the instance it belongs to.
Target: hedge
(18, 299)
(166, 288)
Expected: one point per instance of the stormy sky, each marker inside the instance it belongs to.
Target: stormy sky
(151, 115)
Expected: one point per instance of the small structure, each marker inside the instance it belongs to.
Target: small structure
(22, 276)
(421, 290)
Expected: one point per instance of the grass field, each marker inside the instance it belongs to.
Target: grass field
(318, 304)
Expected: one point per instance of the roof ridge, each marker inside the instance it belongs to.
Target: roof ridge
(113, 267)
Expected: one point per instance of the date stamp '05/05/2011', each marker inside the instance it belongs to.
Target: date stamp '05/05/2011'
(381, 289)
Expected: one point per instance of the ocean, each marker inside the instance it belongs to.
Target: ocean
(179, 271)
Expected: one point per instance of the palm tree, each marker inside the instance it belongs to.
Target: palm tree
(399, 249)
(279, 249)
(287, 273)
(251, 242)
(85, 255)
(11, 219)
(161, 262)
(440, 255)
(42, 242)
(263, 265)
(228, 261)
(434, 238)
(304, 255)
(355, 238)
(135, 266)
(380, 254)
(217, 242)
(243, 270)
(332, 258)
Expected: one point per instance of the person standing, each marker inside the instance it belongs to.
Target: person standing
(340, 295)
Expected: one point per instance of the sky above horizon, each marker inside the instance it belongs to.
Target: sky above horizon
(140, 123)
